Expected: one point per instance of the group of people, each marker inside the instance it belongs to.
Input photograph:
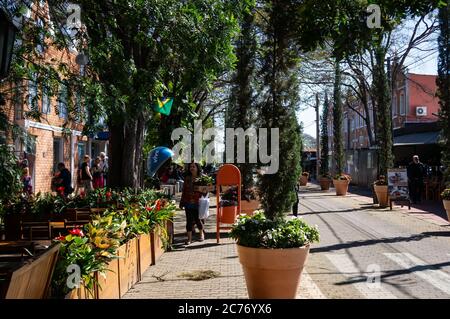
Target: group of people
(93, 176)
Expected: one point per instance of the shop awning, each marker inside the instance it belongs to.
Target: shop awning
(417, 139)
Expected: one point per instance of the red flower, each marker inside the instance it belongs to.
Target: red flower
(82, 194)
(148, 208)
(76, 232)
(60, 238)
(108, 195)
(60, 189)
(158, 204)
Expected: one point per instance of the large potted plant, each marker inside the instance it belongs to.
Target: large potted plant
(445, 195)
(304, 179)
(250, 201)
(341, 182)
(272, 253)
(325, 181)
(381, 190)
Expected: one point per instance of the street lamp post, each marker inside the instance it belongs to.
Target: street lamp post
(7, 37)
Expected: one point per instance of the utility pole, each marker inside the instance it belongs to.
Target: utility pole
(317, 138)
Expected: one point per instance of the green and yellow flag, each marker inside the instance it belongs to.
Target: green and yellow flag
(163, 105)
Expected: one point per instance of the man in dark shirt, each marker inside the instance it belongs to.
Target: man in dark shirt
(416, 173)
(65, 179)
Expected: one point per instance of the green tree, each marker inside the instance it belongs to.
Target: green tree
(140, 51)
(242, 102)
(338, 141)
(277, 109)
(324, 165)
(443, 83)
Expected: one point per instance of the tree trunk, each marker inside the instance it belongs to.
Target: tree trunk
(126, 142)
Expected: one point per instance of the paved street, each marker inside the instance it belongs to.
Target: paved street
(365, 252)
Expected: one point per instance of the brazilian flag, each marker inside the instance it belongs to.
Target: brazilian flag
(163, 105)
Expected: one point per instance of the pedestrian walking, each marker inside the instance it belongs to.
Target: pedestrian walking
(190, 202)
(295, 205)
(416, 173)
(86, 176)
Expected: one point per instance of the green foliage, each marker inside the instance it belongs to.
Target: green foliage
(279, 101)
(443, 83)
(204, 180)
(384, 115)
(445, 195)
(324, 165)
(339, 155)
(10, 176)
(258, 231)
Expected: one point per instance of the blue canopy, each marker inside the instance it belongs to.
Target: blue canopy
(157, 157)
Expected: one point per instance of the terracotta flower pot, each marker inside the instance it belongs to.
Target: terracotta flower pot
(272, 273)
(249, 207)
(228, 214)
(324, 183)
(447, 207)
(382, 195)
(341, 186)
(303, 180)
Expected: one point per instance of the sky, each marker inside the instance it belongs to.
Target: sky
(417, 62)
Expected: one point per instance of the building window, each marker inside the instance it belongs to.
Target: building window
(32, 93)
(402, 105)
(45, 101)
(40, 26)
(18, 103)
(394, 106)
(62, 102)
(58, 152)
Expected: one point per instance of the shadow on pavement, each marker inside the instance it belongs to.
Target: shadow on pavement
(361, 243)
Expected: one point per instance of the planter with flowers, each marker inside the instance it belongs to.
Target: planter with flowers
(445, 195)
(250, 201)
(272, 253)
(304, 179)
(204, 184)
(228, 205)
(341, 183)
(381, 190)
(114, 249)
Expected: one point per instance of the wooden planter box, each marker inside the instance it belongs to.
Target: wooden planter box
(157, 248)
(108, 286)
(145, 253)
(82, 293)
(128, 265)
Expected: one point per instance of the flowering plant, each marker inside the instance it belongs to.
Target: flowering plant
(91, 249)
(343, 177)
(305, 174)
(445, 195)
(381, 181)
(229, 197)
(259, 232)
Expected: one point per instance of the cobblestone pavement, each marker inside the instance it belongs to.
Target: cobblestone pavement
(364, 252)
